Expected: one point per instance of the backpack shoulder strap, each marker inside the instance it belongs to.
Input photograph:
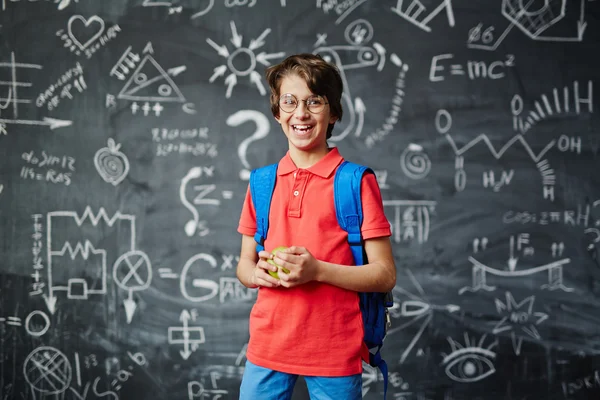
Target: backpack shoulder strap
(348, 205)
(348, 209)
(262, 184)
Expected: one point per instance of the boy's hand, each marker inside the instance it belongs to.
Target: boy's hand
(303, 266)
(260, 275)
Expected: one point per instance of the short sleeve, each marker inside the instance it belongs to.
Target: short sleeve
(375, 223)
(247, 224)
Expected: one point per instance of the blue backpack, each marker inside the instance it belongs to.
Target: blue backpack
(348, 208)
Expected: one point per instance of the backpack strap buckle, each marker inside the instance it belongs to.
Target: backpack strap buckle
(355, 239)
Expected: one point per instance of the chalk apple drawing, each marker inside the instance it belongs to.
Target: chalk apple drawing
(112, 164)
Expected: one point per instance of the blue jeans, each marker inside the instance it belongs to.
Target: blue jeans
(260, 383)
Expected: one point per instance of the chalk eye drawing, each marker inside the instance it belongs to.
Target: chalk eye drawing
(111, 163)
(47, 371)
(262, 130)
(242, 61)
(132, 272)
(189, 337)
(470, 363)
(12, 99)
(533, 19)
(518, 318)
(415, 162)
(415, 12)
(418, 308)
(83, 32)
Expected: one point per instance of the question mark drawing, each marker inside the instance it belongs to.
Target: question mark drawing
(262, 130)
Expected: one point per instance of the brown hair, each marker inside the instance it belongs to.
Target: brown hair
(321, 77)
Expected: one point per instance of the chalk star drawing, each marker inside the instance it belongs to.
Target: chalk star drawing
(419, 309)
(518, 316)
(242, 61)
(471, 362)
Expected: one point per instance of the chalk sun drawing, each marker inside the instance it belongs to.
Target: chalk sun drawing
(242, 61)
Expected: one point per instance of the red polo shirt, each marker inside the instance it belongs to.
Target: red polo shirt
(315, 328)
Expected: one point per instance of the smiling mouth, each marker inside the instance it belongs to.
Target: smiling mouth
(302, 128)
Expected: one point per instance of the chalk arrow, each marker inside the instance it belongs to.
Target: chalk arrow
(130, 307)
(50, 303)
(184, 318)
(176, 70)
(256, 79)
(259, 41)
(264, 57)
(236, 38)
(221, 50)
(53, 123)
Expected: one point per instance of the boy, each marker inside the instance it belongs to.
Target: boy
(308, 322)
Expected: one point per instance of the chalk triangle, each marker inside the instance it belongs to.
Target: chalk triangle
(150, 82)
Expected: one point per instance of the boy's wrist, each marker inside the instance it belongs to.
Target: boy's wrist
(321, 273)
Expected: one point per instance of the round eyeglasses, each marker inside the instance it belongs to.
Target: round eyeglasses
(314, 104)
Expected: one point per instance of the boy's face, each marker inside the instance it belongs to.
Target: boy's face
(306, 131)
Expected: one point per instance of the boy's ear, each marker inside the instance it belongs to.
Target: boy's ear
(332, 119)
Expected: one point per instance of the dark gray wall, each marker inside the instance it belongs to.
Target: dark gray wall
(126, 132)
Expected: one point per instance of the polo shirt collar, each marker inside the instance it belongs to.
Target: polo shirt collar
(323, 168)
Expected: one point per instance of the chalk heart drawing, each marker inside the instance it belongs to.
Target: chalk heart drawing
(112, 164)
(92, 28)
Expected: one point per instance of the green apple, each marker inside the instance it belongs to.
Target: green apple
(270, 261)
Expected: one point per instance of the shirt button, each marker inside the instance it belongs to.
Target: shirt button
(294, 174)
(296, 193)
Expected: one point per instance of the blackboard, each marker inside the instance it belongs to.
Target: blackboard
(127, 130)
